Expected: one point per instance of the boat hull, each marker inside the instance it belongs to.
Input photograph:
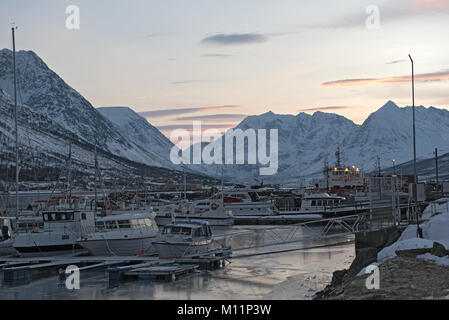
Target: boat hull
(181, 250)
(119, 247)
(163, 220)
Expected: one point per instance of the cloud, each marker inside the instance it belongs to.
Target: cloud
(396, 61)
(234, 39)
(154, 35)
(171, 112)
(325, 108)
(189, 126)
(424, 77)
(187, 81)
(216, 55)
(214, 117)
(431, 5)
(390, 12)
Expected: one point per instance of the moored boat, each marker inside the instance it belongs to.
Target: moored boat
(122, 234)
(183, 238)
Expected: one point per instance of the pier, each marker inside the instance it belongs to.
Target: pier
(24, 270)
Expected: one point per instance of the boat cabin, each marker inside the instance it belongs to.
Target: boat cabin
(195, 229)
(321, 201)
(119, 223)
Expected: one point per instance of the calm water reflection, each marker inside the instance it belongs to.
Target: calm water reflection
(247, 277)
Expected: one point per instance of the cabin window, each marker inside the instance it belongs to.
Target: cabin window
(99, 225)
(148, 222)
(197, 233)
(124, 224)
(111, 225)
(83, 216)
(313, 203)
(186, 231)
(136, 223)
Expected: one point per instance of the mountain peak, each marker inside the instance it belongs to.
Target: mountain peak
(390, 105)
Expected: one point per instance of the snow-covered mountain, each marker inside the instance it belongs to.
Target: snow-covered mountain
(138, 129)
(306, 141)
(388, 133)
(43, 91)
(44, 144)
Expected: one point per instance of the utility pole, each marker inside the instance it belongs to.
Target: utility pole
(16, 123)
(436, 166)
(378, 166)
(419, 230)
(414, 136)
(95, 180)
(69, 177)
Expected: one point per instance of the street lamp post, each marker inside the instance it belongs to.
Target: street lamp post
(394, 167)
(414, 137)
(419, 230)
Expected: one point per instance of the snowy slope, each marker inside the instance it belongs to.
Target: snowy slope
(388, 133)
(45, 92)
(138, 129)
(307, 141)
(45, 144)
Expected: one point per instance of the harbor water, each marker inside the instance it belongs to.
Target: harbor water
(268, 270)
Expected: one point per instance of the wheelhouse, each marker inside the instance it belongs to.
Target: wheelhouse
(193, 229)
(112, 223)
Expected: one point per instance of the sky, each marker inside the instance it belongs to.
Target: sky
(175, 62)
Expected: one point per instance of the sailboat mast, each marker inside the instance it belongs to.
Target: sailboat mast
(96, 173)
(69, 177)
(16, 125)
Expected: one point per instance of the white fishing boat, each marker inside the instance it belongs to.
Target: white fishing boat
(62, 227)
(211, 210)
(326, 205)
(184, 239)
(122, 234)
(247, 202)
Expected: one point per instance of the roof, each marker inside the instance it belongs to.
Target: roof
(126, 216)
(187, 223)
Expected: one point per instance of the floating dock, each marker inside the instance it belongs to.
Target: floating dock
(24, 270)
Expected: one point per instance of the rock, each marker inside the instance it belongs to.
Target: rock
(412, 253)
(364, 257)
(337, 277)
(438, 250)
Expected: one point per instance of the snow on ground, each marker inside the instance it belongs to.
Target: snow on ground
(434, 229)
(441, 261)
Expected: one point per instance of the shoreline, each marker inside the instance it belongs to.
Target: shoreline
(408, 267)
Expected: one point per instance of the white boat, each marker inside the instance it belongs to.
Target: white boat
(184, 239)
(326, 205)
(247, 202)
(211, 210)
(62, 227)
(122, 234)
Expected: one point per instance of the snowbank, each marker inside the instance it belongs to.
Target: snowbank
(441, 261)
(436, 228)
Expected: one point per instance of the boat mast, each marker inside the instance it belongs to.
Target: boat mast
(95, 181)
(16, 121)
(69, 177)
